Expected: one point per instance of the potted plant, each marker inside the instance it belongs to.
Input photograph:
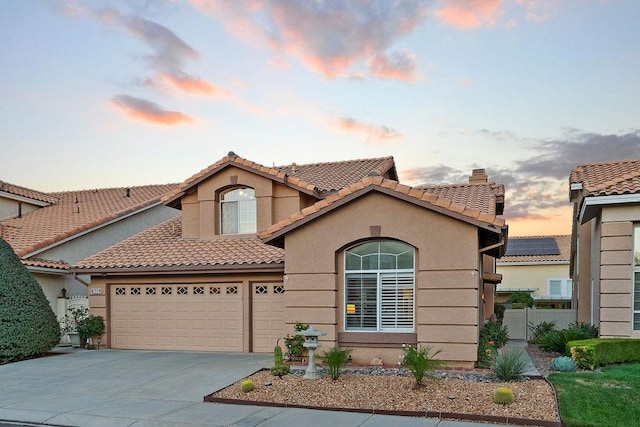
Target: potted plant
(90, 327)
(69, 324)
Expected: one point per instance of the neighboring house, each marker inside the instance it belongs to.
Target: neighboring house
(341, 246)
(51, 231)
(538, 265)
(605, 257)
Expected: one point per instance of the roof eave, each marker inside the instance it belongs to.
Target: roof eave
(591, 205)
(180, 269)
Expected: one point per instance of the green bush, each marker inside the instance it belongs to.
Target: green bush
(503, 396)
(584, 357)
(294, 343)
(89, 327)
(557, 340)
(420, 361)
(521, 298)
(606, 351)
(492, 337)
(335, 359)
(508, 365)
(540, 330)
(28, 325)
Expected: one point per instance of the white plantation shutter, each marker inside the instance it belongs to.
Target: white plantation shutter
(396, 301)
(361, 290)
(555, 287)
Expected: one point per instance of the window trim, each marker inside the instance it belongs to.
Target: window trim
(380, 273)
(566, 283)
(221, 202)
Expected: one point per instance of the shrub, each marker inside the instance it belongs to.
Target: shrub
(521, 298)
(563, 364)
(502, 396)
(92, 326)
(29, 326)
(247, 385)
(492, 337)
(591, 331)
(584, 357)
(294, 343)
(540, 330)
(508, 365)
(420, 361)
(335, 359)
(606, 351)
(557, 340)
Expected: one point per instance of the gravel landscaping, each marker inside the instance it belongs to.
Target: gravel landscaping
(393, 389)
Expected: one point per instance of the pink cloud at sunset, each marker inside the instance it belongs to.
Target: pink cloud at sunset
(194, 85)
(148, 111)
(398, 65)
(374, 134)
(469, 14)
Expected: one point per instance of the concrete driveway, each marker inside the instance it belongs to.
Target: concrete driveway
(149, 388)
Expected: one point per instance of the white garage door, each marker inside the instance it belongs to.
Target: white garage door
(268, 316)
(205, 317)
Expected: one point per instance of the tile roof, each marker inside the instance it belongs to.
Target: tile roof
(315, 179)
(564, 246)
(480, 196)
(609, 178)
(28, 193)
(76, 212)
(162, 247)
(417, 195)
(43, 263)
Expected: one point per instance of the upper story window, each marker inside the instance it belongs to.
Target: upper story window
(379, 287)
(238, 211)
(559, 288)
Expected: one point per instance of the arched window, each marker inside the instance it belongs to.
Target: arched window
(238, 211)
(379, 286)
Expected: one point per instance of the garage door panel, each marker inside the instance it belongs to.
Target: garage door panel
(268, 315)
(177, 317)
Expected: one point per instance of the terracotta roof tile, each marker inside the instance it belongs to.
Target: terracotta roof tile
(28, 193)
(316, 178)
(564, 247)
(480, 196)
(76, 212)
(608, 178)
(479, 191)
(43, 263)
(162, 246)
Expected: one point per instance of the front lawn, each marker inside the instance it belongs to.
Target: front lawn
(599, 399)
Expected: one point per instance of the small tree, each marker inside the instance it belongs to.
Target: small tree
(521, 298)
(28, 326)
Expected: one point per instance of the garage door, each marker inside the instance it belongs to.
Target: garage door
(205, 317)
(268, 316)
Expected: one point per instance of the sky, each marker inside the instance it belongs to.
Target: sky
(119, 93)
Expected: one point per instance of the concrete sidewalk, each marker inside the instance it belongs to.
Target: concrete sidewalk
(163, 389)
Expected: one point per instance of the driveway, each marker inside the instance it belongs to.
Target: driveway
(150, 388)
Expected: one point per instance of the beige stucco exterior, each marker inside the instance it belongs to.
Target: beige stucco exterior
(529, 276)
(604, 270)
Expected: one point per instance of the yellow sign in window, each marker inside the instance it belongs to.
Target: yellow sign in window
(351, 309)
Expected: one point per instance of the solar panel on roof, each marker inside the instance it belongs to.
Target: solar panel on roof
(532, 246)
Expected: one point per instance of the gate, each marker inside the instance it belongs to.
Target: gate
(517, 320)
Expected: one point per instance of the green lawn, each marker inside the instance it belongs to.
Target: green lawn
(599, 399)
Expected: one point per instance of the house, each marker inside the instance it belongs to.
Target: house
(51, 231)
(605, 255)
(539, 266)
(342, 246)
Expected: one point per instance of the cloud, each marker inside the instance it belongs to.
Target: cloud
(279, 62)
(150, 112)
(328, 37)
(469, 14)
(538, 186)
(169, 53)
(539, 10)
(374, 134)
(194, 85)
(398, 65)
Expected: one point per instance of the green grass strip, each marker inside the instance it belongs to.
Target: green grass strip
(601, 398)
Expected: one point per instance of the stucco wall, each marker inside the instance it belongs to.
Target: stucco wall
(531, 276)
(447, 294)
(616, 271)
(11, 208)
(581, 300)
(201, 210)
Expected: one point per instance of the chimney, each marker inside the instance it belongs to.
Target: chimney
(478, 176)
(294, 167)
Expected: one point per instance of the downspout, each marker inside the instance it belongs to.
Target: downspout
(496, 245)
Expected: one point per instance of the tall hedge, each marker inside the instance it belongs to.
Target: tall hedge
(28, 326)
